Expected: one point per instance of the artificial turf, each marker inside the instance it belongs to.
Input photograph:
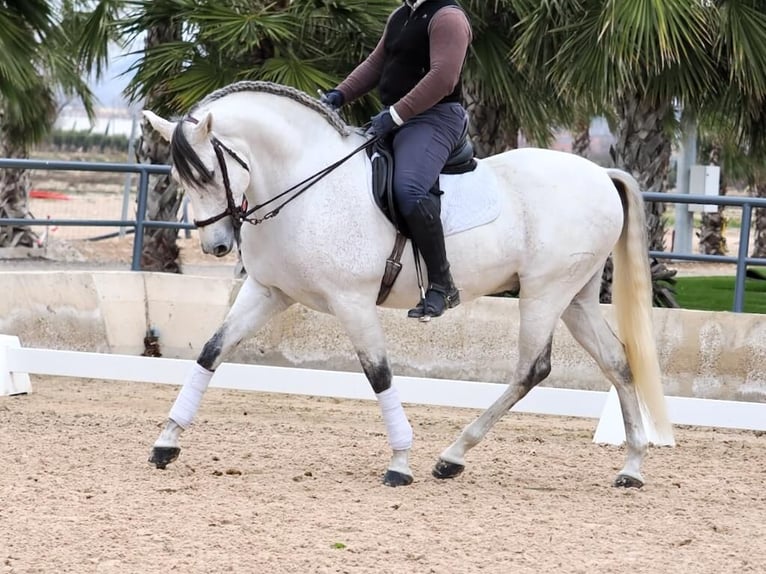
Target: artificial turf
(717, 293)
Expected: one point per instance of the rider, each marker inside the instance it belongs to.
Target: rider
(416, 68)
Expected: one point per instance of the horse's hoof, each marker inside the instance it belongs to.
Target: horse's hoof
(625, 481)
(444, 469)
(394, 478)
(163, 456)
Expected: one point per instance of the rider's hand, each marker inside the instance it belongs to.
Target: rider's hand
(382, 124)
(333, 99)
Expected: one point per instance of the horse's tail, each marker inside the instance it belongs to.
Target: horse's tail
(632, 299)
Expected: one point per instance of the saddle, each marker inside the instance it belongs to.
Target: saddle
(461, 160)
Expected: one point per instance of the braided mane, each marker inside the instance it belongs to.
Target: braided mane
(279, 90)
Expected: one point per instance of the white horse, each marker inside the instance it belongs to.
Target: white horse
(559, 218)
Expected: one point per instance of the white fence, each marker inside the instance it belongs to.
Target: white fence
(17, 363)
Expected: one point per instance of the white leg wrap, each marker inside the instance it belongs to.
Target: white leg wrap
(188, 400)
(397, 426)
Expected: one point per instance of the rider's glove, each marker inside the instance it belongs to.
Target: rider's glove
(382, 124)
(334, 99)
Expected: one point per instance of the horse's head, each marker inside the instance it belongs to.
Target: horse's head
(212, 174)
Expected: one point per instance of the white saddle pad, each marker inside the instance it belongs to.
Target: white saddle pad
(470, 199)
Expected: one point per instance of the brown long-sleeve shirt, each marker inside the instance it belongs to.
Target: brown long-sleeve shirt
(449, 35)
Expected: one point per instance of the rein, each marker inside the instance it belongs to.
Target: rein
(239, 213)
(309, 181)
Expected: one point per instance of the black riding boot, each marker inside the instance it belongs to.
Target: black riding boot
(426, 232)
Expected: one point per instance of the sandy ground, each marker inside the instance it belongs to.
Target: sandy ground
(284, 484)
(280, 484)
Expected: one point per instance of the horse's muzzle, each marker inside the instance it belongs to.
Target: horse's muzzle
(218, 244)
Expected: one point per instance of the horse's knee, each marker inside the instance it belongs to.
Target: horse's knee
(541, 368)
(623, 376)
(377, 372)
(211, 351)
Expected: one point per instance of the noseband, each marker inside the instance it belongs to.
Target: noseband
(240, 213)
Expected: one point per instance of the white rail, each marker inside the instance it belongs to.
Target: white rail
(17, 363)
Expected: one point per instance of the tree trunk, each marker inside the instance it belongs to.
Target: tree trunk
(160, 249)
(581, 137)
(492, 128)
(642, 148)
(758, 189)
(712, 238)
(14, 194)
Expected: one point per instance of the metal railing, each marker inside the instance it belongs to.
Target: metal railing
(747, 204)
(742, 260)
(138, 224)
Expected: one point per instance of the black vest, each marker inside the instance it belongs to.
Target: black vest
(407, 52)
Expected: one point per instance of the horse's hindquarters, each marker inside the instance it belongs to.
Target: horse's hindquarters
(560, 218)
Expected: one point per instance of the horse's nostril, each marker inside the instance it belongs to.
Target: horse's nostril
(220, 250)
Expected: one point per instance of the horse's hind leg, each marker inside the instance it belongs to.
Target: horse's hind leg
(538, 317)
(588, 326)
(254, 306)
(363, 327)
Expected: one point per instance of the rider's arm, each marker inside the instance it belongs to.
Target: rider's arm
(449, 35)
(365, 76)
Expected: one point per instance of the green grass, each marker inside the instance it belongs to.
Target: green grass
(733, 219)
(717, 294)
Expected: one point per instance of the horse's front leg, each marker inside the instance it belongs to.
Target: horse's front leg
(363, 327)
(254, 306)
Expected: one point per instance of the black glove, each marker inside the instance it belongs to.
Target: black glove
(382, 124)
(333, 99)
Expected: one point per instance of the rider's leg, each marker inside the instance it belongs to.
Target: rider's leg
(427, 233)
(421, 147)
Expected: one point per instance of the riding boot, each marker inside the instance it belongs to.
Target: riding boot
(428, 235)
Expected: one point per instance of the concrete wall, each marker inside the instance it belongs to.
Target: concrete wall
(709, 355)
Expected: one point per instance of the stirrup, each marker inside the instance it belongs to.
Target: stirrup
(437, 300)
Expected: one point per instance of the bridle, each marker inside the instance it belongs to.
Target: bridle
(240, 213)
(232, 209)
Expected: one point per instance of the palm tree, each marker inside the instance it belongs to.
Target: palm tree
(193, 48)
(737, 149)
(756, 133)
(160, 26)
(638, 58)
(712, 238)
(40, 62)
(757, 188)
(503, 100)
(734, 111)
(306, 44)
(19, 25)
(647, 61)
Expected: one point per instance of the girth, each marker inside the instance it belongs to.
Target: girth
(461, 160)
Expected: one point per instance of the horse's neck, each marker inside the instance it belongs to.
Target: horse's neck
(285, 141)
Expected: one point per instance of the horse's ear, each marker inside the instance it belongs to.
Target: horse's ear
(201, 130)
(163, 126)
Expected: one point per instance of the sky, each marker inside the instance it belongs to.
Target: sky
(109, 88)
(113, 114)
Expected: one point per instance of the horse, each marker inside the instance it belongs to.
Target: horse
(324, 245)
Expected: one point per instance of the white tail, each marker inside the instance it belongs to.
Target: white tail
(632, 299)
